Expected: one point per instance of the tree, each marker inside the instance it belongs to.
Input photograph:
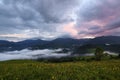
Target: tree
(119, 55)
(98, 53)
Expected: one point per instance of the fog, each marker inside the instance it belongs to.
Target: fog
(31, 54)
(38, 54)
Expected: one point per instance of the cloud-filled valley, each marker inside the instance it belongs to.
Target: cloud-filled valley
(41, 54)
(29, 54)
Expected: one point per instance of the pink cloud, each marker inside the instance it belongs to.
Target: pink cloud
(70, 29)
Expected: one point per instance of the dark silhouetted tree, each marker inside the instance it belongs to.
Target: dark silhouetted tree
(119, 55)
(98, 53)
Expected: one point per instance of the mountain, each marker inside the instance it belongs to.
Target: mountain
(105, 40)
(31, 43)
(4, 42)
(5, 45)
(10, 46)
(63, 43)
(108, 43)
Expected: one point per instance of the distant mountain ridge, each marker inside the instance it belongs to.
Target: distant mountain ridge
(105, 40)
(63, 43)
(57, 43)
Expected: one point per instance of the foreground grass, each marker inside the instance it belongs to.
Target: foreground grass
(81, 70)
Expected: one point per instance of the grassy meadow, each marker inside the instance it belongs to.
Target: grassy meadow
(77, 70)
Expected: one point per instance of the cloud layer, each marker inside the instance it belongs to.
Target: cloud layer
(29, 54)
(99, 18)
(40, 54)
(48, 19)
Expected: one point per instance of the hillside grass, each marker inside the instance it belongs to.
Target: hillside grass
(79, 70)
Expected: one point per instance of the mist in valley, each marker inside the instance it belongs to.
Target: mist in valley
(32, 54)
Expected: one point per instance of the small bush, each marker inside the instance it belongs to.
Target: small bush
(99, 53)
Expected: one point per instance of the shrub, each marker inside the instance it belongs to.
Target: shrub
(98, 53)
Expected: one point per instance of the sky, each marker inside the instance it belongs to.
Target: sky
(50, 19)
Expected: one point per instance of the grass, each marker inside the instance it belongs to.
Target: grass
(80, 70)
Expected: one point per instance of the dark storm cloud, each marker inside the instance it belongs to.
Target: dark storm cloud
(114, 24)
(47, 18)
(111, 26)
(44, 16)
(94, 28)
(55, 10)
(49, 11)
(98, 9)
(102, 14)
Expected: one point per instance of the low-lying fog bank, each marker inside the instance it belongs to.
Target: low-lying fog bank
(31, 54)
(37, 54)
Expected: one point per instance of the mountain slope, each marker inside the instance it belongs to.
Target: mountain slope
(60, 43)
(105, 40)
(63, 43)
(108, 43)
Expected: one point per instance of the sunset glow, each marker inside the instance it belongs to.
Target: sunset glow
(46, 19)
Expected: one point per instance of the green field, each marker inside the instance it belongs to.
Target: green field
(80, 70)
